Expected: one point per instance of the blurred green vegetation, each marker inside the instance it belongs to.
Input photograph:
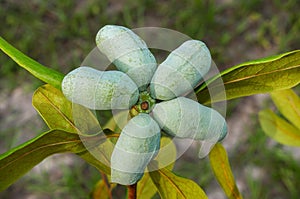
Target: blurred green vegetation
(59, 34)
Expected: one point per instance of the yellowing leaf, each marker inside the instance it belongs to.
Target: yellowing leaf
(59, 113)
(165, 158)
(170, 185)
(102, 190)
(54, 108)
(288, 104)
(145, 187)
(167, 153)
(253, 77)
(278, 129)
(221, 168)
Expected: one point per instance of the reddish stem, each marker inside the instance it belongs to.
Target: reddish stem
(104, 178)
(132, 191)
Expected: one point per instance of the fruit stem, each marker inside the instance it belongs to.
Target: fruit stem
(132, 191)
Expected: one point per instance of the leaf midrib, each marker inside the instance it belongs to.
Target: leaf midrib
(286, 132)
(172, 183)
(261, 74)
(38, 148)
(60, 113)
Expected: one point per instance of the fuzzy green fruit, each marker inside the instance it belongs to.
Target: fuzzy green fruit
(100, 90)
(137, 145)
(181, 71)
(128, 52)
(185, 118)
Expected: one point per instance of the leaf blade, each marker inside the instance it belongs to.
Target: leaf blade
(43, 73)
(54, 108)
(288, 103)
(102, 190)
(146, 188)
(279, 129)
(221, 168)
(170, 185)
(249, 78)
(59, 113)
(16, 162)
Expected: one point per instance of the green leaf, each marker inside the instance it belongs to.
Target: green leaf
(103, 190)
(170, 185)
(278, 129)
(99, 156)
(101, 163)
(43, 73)
(146, 188)
(17, 161)
(166, 156)
(221, 168)
(54, 108)
(258, 76)
(117, 121)
(288, 104)
(59, 113)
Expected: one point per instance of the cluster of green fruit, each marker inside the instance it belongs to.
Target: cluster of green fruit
(155, 95)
